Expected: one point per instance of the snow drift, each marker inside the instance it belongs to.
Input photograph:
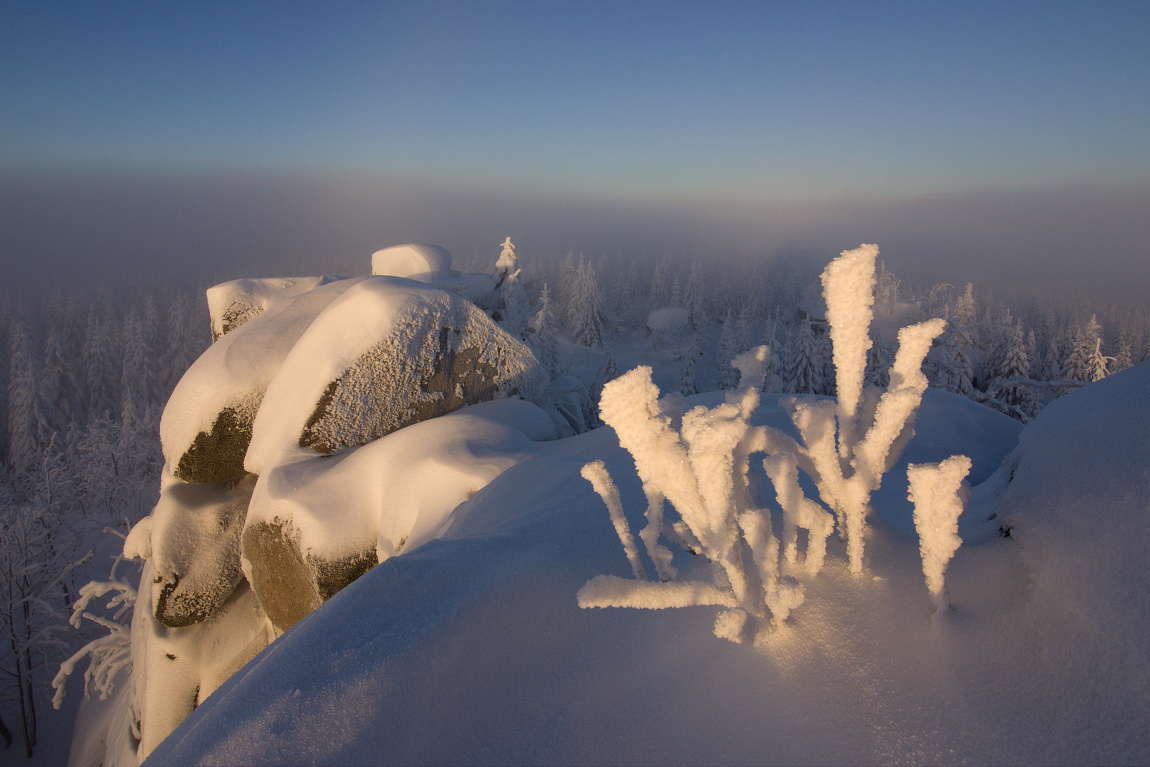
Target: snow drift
(471, 649)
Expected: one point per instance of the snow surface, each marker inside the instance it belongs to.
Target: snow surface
(669, 320)
(398, 491)
(416, 261)
(472, 648)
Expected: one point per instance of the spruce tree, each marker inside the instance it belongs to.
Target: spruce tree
(542, 336)
(687, 382)
(511, 307)
(726, 376)
(804, 374)
(586, 319)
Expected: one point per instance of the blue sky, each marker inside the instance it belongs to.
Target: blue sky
(721, 106)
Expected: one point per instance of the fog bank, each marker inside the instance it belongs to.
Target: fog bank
(75, 227)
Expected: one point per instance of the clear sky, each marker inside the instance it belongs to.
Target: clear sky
(772, 112)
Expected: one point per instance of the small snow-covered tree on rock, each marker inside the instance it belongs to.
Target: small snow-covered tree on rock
(511, 304)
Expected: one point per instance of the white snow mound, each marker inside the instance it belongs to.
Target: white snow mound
(233, 303)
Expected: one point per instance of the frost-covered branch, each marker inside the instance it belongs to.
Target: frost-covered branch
(936, 490)
(109, 653)
(701, 468)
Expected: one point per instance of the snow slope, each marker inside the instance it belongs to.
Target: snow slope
(471, 649)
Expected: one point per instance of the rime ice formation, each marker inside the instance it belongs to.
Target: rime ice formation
(873, 427)
(702, 467)
(936, 492)
(207, 423)
(596, 473)
(798, 512)
(231, 304)
(848, 289)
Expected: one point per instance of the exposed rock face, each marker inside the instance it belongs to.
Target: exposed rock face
(195, 547)
(288, 584)
(217, 455)
(389, 387)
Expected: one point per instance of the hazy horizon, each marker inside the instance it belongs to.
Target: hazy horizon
(1000, 144)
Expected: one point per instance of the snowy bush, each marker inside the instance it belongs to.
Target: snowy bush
(717, 516)
(702, 468)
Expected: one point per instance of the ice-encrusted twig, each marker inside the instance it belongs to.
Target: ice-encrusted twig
(798, 511)
(936, 490)
(596, 473)
(613, 591)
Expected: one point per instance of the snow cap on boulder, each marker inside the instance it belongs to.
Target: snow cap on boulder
(231, 304)
(207, 422)
(388, 353)
(415, 261)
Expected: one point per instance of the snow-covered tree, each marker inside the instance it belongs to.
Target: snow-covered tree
(138, 376)
(181, 351)
(1016, 365)
(696, 297)
(36, 556)
(688, 384)
(805, 370)
(61, 387)
(726, 376)
(30, 423)
(585, 320)
(1099, 363)
(542, 336)
(661, 285)
(511, 306)
(1080, 363)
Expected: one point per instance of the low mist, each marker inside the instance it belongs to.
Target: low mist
(114, 227)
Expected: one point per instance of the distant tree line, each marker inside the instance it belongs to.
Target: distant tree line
(84, 380)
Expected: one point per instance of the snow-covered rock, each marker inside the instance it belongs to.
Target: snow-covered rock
(387, 353)
(233, 303)
(195, 548)
(175, 669)
(318, 523)
(206, 425)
